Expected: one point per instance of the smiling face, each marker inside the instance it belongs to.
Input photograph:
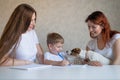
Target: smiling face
(32, 23)
(94, 29)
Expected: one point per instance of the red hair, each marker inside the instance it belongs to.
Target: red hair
(99, 18)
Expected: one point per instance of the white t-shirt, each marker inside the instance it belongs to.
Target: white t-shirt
(53, 57)
(107, 51)
(26, 49)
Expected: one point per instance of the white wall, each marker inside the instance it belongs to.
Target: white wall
(66, 17)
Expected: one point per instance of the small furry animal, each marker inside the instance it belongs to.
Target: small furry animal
(73, 56)
(75, 51)
(92, 56)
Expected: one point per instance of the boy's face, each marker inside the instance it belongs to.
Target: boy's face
(55, 48)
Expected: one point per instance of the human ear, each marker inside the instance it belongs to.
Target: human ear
(50, 46)
(102, 25)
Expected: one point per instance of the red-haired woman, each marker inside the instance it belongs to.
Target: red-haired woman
(104, 40)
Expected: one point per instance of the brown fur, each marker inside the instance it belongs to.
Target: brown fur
(75, 51)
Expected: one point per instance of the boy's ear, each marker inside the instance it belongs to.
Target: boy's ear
(50, 46)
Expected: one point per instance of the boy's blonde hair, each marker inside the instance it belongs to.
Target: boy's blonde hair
(53, 38)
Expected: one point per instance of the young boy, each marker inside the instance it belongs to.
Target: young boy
(55, 57)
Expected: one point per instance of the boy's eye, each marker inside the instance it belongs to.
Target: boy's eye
(58, 47)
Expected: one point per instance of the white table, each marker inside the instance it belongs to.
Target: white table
(74, 72)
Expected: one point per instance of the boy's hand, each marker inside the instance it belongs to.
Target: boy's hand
(64, 62)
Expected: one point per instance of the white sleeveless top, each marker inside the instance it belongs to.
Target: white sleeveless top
(107, 51)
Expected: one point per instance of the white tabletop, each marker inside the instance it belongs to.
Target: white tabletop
(73, 72)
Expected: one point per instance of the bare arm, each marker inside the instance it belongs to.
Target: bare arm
(116, 52)
(56, 63)
(40, 55)
(87, 48)
(15, 62)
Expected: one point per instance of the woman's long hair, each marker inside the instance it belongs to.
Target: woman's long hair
(17, 24)
(99, 18)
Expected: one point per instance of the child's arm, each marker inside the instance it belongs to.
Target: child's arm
(56, 63)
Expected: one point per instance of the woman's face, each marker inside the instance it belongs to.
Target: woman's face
(94, 29)
(32, 23)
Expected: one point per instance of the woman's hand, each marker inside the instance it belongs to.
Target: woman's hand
(94, 63)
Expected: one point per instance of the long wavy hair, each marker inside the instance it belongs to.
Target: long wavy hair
(17, 24)
(99, 18)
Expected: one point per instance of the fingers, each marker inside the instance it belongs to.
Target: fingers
(65, 62)
(94, 63)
